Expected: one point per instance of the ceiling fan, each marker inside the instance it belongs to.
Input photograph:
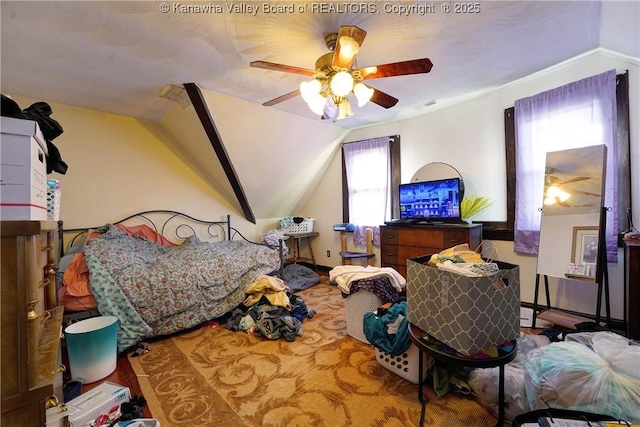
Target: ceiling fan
(336, 76)
(554, 191)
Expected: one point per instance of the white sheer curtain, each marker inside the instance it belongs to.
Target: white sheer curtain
(367, 170)
(579, 114)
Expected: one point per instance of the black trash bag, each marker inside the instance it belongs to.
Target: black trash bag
(10, 108)
(39, 112)
(54, 160)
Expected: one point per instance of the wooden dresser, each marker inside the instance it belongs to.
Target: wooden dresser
(30, 323)
(632, 287)
(399, 242)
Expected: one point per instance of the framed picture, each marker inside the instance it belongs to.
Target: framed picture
(584, 249)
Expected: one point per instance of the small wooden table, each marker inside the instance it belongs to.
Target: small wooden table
(437, 350)
(296, 246)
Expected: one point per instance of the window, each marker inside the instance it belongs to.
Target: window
(578, 114)
(371, 174)
(504, 230)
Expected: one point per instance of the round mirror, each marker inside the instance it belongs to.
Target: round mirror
(437, 170)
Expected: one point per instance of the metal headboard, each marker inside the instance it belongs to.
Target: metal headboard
(163, 221)
(181, 225)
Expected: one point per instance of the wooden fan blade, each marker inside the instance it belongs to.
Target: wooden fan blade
(282, 98)
(576, 179)
(585, 193)
(382, 99)
(404, 68)
(279, 67)
(349, 42)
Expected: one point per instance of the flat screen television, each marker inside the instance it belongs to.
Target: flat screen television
(437, 200)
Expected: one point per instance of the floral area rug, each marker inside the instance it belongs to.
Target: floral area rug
(215, 377)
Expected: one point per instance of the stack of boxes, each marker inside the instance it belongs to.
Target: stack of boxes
(23, 170)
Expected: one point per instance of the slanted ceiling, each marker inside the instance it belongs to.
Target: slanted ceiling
(117, 56)
(277, 157)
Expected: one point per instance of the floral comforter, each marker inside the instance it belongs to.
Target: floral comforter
(158, 290)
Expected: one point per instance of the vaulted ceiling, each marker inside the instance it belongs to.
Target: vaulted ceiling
(116, 56)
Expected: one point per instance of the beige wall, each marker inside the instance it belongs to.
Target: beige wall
(470, 136)
(120, 165)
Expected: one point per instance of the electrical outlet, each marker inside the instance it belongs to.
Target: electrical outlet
(328, 254)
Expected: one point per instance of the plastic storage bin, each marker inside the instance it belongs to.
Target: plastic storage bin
(53, 204)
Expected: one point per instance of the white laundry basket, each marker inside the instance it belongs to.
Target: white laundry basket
(407, 364)
(306, 226)
(356, 305)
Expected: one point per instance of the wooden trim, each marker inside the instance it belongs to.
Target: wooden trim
(504, 230)
(395, 176)
(345, 190)
(624, 149)
(200, 106)
(510, 155)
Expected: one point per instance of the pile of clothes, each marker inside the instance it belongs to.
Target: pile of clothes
(382, 281)
(388, 329)
(462, 260)
(270, 310)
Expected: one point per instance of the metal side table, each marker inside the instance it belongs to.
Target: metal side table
(439, 351)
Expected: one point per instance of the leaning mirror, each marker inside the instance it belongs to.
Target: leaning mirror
(573, 201)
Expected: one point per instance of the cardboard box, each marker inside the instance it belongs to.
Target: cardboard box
(469, 314)
(95, 402)
(23, 170)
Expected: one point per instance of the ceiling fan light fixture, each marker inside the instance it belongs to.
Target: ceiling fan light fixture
(563, 196)
(337, 109)
(348, 49)
(317, 103)
(341, 83)
(344, 110)
(555, 194)
(310, 89)
(362, 93)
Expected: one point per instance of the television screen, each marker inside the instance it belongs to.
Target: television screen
(431, 200)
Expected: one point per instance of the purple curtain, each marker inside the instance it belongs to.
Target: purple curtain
(579, 114)
(367, 169)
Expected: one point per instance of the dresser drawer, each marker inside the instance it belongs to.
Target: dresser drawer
(389, 254)
(389, 236)
(399, 243)
(406, 252)
(47, 359)
(454, 238)
(36, 282)
(432, 238)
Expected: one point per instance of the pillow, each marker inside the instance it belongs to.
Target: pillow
(273, 238)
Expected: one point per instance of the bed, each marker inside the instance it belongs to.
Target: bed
(161, 272)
